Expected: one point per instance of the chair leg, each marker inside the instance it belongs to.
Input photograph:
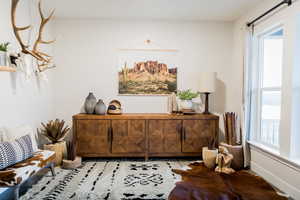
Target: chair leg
(52, 169)
(16, 192)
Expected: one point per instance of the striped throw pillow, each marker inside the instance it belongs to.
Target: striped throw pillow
(16, 151)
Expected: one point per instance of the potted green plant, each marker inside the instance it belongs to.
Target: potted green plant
(186, 97)
(55, 131)
(3, 53)
(209, 153)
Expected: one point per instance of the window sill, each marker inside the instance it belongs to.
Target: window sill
(275, 155)
(264, 148)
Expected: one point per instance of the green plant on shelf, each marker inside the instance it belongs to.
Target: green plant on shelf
(4, 46)
(187, 94)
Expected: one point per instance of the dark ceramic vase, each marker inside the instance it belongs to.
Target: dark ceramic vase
(100, 108)
(90, 103)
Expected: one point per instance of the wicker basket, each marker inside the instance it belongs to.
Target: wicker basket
(60, 150)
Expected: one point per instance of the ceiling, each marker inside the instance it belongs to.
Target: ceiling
(217, 10)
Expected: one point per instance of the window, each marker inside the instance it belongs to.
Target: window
(272, 86)
(269, 73)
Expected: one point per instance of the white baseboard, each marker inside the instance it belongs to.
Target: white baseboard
(276, 180)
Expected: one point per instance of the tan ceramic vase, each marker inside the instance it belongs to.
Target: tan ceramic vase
(209, 157)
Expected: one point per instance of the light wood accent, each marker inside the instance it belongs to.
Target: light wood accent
(7, 69)
(143, 135)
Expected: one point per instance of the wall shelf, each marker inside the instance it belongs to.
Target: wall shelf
(7, 69)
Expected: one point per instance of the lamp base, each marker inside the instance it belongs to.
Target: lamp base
(206, 112)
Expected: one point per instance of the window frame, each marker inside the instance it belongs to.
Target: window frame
(259, 89)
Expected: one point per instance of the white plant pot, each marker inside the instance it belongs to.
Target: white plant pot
(209, 157)
(3, 58)
(186, 104)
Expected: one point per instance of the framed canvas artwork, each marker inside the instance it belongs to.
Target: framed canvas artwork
(147, 72)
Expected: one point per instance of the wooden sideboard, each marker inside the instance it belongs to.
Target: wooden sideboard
(143, 135)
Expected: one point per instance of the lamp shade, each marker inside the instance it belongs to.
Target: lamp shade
(207, 82)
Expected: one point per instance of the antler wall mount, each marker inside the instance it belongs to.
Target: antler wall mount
(44, 61)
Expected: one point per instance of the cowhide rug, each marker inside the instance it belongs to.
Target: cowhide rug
(109, 180)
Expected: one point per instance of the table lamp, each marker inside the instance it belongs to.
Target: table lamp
(207, 84)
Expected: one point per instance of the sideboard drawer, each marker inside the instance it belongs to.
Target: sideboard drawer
(92, 137)
(128, 136)
(165, 136)
(197, 134)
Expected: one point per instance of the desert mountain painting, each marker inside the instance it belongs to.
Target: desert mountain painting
(150, 77)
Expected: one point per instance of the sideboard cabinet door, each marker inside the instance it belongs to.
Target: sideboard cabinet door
(92, 137)
(165, 136)
(196, 134)
(128, 136)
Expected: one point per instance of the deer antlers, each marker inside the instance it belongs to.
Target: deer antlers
(43, 59)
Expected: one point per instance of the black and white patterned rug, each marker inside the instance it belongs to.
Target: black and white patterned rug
(109, 180)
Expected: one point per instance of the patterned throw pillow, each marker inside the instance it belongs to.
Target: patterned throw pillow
(16, 151)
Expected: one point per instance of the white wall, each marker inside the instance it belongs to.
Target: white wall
(21, 101)
(86, 55)
(283, 175)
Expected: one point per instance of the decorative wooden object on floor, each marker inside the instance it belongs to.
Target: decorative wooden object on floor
(59, 149)
(235, 148)
(224, 160)
(143, 135)
(230, 125)
(238, 155)
(200, 183)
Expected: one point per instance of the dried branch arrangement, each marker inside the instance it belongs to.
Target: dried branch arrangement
(211, 143)
(55, 131)
(71, 150)
(231, 128)
(72, 161)
(44, 61)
